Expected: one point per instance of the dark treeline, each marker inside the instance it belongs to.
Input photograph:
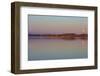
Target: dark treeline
(67, 34)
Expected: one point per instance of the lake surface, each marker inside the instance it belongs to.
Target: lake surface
(50, 49)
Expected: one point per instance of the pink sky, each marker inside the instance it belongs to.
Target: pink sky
(39, 24)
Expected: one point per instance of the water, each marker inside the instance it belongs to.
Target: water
(50, 49)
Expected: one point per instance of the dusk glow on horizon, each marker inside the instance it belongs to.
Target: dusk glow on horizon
(41, 24)
(57, 37)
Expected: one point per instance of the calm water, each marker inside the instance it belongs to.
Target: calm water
(49, 49)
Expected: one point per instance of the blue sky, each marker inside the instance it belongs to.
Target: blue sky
(41, 24)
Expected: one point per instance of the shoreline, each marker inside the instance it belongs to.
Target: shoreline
(59, 36)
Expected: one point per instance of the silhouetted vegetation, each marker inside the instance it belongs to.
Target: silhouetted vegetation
(61, 36)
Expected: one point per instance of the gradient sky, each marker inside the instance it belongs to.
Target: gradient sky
(40, 24)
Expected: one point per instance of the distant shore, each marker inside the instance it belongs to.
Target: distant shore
(59, 36)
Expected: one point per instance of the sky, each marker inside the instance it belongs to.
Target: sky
(43, 24)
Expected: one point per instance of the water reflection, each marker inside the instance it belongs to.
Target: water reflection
(49, 49)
